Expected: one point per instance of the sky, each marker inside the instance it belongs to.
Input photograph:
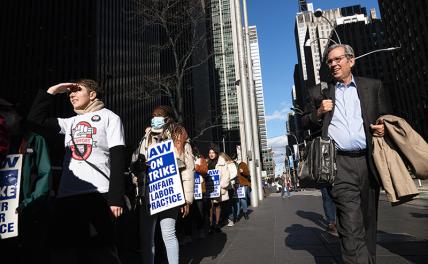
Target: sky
(275, 21)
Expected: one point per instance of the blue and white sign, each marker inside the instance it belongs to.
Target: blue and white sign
(198, 187)
(212, 184)
(10, 178)
(165, 188)
(240, 192)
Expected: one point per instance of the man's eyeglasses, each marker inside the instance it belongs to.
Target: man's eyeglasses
(337, 59)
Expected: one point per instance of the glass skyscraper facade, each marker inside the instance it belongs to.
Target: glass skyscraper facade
(224, 62)
(260, 101)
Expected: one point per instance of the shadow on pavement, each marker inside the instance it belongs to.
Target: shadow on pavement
(419, 215)
(209, 247)
(404, 245)
(314, 217)
(323, 246)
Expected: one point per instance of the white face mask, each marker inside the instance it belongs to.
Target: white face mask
(158, 122)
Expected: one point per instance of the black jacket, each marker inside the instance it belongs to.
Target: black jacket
(374, 101)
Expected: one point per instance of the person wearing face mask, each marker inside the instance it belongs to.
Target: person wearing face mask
(163, 127)
(31, 243)
(91, 188)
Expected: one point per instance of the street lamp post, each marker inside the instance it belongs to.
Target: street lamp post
(246, 105)
(378, 50)
(253, 105)
(319, 13)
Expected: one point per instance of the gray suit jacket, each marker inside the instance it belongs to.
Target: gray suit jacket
(374, 101)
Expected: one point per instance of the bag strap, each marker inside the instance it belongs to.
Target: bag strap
(80, 155)
(324, 93)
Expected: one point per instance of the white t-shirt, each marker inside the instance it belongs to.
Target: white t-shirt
(94, 133)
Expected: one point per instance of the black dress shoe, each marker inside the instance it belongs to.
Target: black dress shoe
(246, 216)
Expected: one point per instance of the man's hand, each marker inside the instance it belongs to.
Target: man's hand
(326, 106)
(378, 130)
(62, 88)
(185, 209)
(116, 210)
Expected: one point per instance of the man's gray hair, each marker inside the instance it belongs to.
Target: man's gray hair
(349, 51)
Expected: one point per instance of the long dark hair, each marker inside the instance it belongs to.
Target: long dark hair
(177, 132)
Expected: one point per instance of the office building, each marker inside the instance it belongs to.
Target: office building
(61, 41)
(406, 26)
(260, 102)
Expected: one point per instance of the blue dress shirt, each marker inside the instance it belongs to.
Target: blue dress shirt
(346, 127)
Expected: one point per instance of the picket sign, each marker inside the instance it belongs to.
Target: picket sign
(212, 184)
(10, 180)
(241, 192)
(165, 187)
(198, 187)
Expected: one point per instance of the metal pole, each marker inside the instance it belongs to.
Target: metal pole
(378, 50)
(253, 105)
(238, 90)
(246, 107)
(224, 145)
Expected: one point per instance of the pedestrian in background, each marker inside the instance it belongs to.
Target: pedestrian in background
(229, 205)
(31, 243)
(198, 211)
(218, 162)
(329, 210)
(244, 180)
(286, 186)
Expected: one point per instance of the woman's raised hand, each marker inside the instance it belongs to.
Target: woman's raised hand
(62, 88)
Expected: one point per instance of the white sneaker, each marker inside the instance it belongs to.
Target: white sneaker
(230, 223)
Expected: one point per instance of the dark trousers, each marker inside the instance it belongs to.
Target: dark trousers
(356, 195)
(83, 230)
(31, 244)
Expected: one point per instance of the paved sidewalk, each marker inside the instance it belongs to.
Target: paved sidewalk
(292, 231)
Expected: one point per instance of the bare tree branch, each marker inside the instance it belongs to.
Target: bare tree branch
(182, 29)
(204, 130)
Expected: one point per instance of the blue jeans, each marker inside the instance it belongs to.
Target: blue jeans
(329, 207)
(167, 221)
(285, 190)
(243, 202)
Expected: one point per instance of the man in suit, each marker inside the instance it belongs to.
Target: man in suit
(347, 109)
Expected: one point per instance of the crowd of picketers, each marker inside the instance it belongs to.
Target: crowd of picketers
(97, 189)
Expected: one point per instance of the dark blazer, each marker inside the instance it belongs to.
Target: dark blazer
(374, 101)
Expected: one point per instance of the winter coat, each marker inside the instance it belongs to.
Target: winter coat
(244, 176)
(185, 162)
(201, 167)
(36, 171)
(225, 170)
(396, 179)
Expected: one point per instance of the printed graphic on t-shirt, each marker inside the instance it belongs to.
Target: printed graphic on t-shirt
(83, 134)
